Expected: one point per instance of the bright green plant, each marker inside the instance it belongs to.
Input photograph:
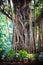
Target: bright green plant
(33, 56)
(11, 53)
(23, 55)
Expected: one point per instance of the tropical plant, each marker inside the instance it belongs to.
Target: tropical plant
(23, 55)
(10, 55)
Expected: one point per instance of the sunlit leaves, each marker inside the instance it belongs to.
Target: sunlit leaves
(5, 38)
(40, 1)
(2, 18)
(11, 53)
(38, 13)
(36, 8)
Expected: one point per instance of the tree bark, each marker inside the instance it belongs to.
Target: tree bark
(31, 30)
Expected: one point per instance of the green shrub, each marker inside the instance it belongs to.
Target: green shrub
(23, 55)
(10, 55)
(33, 56)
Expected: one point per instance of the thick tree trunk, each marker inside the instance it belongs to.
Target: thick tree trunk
(20, 33)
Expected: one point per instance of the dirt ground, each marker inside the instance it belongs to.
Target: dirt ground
(20, 63)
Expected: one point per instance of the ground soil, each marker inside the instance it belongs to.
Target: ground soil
(22, 63)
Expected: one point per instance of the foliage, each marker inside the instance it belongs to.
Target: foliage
(33, 56)
(23, 55)
(1, 53)
(16, 57)
(5, 39)
(39, 1)
(11, 53)
(36, 8)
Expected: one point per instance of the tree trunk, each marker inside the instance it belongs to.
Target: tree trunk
(31, 31)
(19, 30)
(39, 43)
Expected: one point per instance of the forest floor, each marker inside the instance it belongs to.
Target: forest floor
(20, 63)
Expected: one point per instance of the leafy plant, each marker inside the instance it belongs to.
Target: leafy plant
(23, 55)
(33, 56)
(16, 57)
(10, 55)
(1, 53)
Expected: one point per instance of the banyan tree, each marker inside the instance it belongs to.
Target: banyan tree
(22, 32)
(20, 12)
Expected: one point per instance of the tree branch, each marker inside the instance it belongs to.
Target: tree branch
(5, 13)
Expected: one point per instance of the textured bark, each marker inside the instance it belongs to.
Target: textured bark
(31, 30)
(21, 29)
(39, 44)
(34, 26)
(21, 12)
